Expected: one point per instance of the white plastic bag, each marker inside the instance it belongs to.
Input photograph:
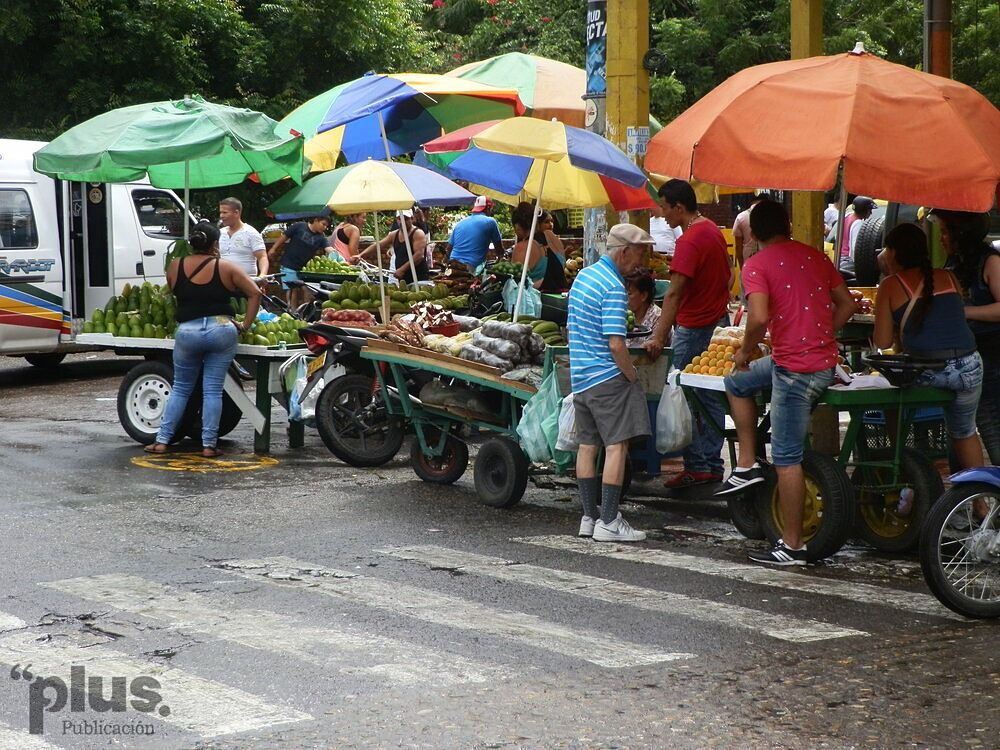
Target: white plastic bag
(673, 418)
(294, 405)
(307, 404)
(567, 440)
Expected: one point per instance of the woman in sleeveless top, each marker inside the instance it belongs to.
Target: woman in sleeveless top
(347, 235)
(396, 241)
(545, 269)
(976, 263)
(206, 335)
(922, 309)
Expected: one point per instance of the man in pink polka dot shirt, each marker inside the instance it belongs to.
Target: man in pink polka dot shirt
(794, 290)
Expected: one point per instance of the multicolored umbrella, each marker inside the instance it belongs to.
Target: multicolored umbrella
(892, 131)
(414, 108)
(371, 186)
(548, 88)
(565, 152)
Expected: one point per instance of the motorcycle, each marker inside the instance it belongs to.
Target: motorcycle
(960, 544)
(351, 416)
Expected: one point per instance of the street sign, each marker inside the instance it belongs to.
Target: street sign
(636, 139)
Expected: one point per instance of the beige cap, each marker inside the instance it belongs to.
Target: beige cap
(408, 213)
(621, 235)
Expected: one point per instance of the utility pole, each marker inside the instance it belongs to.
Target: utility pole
(807, 41)
(595, 225)
(628, 81)
(937, 37)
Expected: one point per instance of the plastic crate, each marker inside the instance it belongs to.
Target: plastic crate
(927, 432)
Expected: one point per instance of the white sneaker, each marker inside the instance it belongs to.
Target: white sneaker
(586, 526)
(617, 531)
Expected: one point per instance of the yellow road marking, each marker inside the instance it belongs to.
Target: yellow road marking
(199, 464)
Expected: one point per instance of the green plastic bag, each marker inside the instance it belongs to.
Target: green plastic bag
(539, 425)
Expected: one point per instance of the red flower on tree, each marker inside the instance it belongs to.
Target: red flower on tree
(437, 4)
(545, 19)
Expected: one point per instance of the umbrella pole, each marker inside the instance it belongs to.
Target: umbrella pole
(399, 218)
(187, 198)
(531, 238)
(383, 308)
(841, 211)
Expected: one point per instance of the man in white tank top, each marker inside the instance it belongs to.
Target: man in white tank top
(240, 243)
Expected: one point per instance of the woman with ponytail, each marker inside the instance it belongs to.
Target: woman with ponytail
(919, 309)
(206, 335)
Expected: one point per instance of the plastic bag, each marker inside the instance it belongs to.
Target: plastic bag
(308, 403)
(674, 430)
(537, 444)
(294, 404)
(567, 440)
(531, 300)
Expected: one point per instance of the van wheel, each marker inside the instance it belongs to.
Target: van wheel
(45, 360)
(142, 399)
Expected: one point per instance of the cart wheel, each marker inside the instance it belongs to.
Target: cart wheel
(829, 508)
(142, 398)
(354, 425)
(444, 469)
(501, 473)
(878, 522)
(743, 510)
(191, 423)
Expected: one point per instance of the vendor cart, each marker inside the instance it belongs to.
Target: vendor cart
(868, 503)
(438, 454)
(144, 390)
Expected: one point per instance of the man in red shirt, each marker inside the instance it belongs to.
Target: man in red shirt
(794, 289)
(700, 279)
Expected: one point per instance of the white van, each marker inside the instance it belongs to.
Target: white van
(67, 247)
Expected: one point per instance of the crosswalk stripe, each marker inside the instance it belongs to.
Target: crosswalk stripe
(453, 611)
(19, 739)
(195, 704)
(9, 622)
(390, 659)
(923, 604)
(603, 589)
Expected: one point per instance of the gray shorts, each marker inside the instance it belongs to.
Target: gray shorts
(613, 412)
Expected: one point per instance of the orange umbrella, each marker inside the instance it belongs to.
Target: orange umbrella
(897, 133)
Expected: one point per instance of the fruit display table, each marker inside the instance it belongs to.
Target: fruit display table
(866, 503)
(145, 388)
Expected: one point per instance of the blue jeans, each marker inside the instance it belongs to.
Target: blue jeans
(964, 376)
(205, 347)
(705, 452)
(792, 397)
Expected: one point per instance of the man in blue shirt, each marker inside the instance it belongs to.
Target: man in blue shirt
(304, 240)
(471, 238)
(608, 400)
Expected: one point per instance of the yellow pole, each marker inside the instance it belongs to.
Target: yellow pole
(807, 41)
(628, 81)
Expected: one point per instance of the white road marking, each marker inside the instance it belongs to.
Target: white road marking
(603, 589)
(19, 739)
(923, 604)
(390, 659)
(442, 609)
(195, 704)
(9, 622)
(724, 533)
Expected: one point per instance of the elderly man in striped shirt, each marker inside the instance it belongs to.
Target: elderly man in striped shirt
(609, 402)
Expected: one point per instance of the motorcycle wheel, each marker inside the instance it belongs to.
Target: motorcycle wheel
(354, 424)
(960, 553)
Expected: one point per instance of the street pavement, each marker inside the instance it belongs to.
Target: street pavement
(302, 603)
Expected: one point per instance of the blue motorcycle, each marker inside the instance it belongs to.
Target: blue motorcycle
(960, 544)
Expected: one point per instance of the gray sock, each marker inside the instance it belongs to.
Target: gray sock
(588, 495)
(610, 495)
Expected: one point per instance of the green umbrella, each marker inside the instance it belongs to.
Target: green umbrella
(189, 143)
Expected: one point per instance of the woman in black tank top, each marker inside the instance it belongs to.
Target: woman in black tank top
(206, 335)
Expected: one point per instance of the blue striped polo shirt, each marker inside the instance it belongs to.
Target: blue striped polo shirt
(598, 304)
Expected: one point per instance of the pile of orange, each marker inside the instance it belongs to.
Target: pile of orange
(717, 360)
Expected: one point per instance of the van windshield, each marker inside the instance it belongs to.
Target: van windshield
(160, 214)
(17, 221)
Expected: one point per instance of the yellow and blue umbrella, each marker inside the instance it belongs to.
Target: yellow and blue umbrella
(413, 108)
(545, 146)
